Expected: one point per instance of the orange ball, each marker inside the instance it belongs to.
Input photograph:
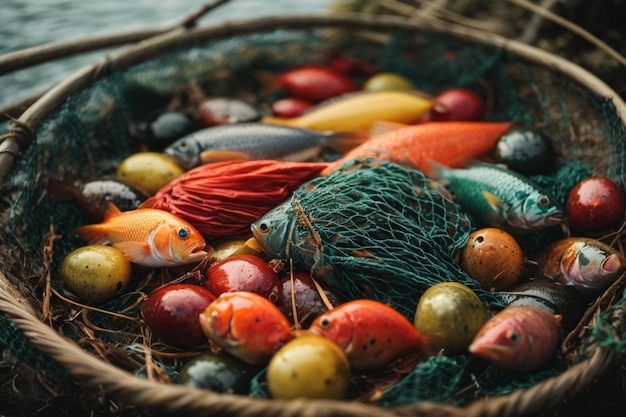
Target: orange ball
(493, 258)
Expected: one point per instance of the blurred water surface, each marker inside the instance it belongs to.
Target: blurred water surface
(26, 23)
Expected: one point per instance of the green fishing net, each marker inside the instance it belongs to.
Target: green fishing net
(87, 136)
(374, 229)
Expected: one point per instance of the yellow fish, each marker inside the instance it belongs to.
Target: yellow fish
(148, 237)
(358, 112)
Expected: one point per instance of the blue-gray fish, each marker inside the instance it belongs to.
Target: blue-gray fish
(257, 141)
(497, 197)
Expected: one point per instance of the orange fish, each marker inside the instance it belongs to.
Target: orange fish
(148, 237)
(371, 333)
(449, 143)
(246, 325)
(358, 112)
(518, 339)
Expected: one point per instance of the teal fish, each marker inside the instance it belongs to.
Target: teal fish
(583, 263)
(257, 141)
(497, 197)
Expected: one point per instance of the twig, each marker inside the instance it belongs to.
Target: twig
(531, 31)
(572, 27)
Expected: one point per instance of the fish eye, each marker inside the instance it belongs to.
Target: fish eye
(265, 227)
(183, 233)
(513, 336)
(182, 145)
(544, 201)
(325, 323)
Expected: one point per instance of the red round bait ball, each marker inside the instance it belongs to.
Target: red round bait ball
(290, 107)
(244, 273)
(456, 104)
(171, 312)
(595, 204)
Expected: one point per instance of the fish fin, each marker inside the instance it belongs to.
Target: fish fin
(150, 202)
(221, 156)
(269, 81)
(383, 126)
(494, 201)
(278, 121)
(134, 251)
(558, 318)
(112, 212)
(92, 233)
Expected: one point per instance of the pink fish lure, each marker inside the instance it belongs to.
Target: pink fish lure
(518, 339)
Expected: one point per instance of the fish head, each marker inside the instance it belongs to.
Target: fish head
(185, 152)
(274, 230)
(335, 325)
(537, 210)
(216, 321)
(501, 344)
(178, 243)
(590, 266)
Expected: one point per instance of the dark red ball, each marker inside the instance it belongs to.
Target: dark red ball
(456, 104)
(244, 273)
(171, 312)
(596, 204)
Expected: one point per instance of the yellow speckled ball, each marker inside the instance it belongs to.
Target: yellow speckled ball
(95, 273)
(452, 311)
(148, 170)
(309, 367)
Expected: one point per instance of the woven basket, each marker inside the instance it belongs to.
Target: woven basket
(546, 86)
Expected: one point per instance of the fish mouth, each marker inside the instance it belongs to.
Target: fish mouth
(491, 352)
(258, 237)
(557, 217)
(184, 163)
(198, 252)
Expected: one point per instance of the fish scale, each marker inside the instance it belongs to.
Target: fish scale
(497, 197)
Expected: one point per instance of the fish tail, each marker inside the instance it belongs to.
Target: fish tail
(344, 141)
(431, 344)
(92, 233)
(435, 170)
(60, 190)
(269, 82)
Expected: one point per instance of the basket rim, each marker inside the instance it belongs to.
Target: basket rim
(16, 141)
(171, 398)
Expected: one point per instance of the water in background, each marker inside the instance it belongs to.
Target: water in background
(26, 23)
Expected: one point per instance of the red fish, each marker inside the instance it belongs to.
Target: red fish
(148, 237)
(246, 325)
(449, 143)
(311, 82)
(222, 199)
(372, 334)
(518, 339)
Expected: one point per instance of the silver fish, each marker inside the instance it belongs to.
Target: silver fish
(256, 141)
(583, 263)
